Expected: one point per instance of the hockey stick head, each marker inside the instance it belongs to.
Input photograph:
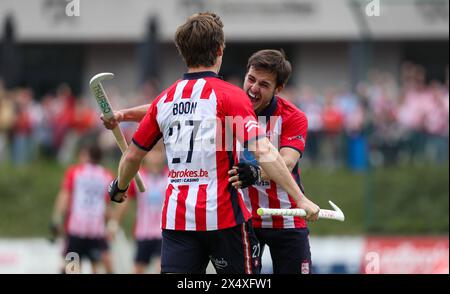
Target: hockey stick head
(339, 215)
(100, 94)
(101, 77)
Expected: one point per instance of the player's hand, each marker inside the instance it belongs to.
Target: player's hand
(55, 231)
(114, 121)
(116, 194)
(234, 177)
(311, 209)
(244, 175)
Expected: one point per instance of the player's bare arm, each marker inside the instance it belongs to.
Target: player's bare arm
(128, 167)
(59, 210)
(275, 167)
(290, 157)
(134, 114)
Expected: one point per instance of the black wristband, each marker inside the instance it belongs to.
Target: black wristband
(120, 190)
(113, 190)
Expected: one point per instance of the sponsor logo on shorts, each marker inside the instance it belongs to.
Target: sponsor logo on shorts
(219, 263)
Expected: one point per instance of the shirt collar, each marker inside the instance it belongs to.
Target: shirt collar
(200, 75)
(270, 109)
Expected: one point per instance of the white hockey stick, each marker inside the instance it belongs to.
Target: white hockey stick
(335, 214)
(103, 102)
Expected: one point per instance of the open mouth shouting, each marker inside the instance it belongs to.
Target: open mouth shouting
(255, 99)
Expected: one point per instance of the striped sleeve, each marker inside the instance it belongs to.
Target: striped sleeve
(294, 132)
(239, 110)
(148, 132)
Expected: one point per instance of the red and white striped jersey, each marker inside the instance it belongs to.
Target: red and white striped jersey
(192, 116)
(286, 127)
(88, 197)
(149, 205)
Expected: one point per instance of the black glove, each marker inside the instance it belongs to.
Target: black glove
(54, 232)
(113, 190)
(248, 174)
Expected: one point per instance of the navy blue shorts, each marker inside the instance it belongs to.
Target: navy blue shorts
(231, 251)
(146, 249)
(289, 249)
(85, 247)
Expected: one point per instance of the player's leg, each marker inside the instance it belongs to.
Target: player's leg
(99, 254)
(107, 262)
(142, 257)
(140, 268)
(183, 252)
(290, 250)
(64, 253)
(106, 256)
(94, 267)
(155, 264)
(73, 253)
(262, 245)
(155, 261)
(235, 250)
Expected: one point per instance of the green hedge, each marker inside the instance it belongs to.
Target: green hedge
(27, 198)
(400, 200)
(411, 200)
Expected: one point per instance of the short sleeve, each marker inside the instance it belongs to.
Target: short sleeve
(294, 132)
(68, 180)
(148, 132)
(239, 110)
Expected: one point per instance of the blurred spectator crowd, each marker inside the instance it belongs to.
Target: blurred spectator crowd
(386, 120)
(55, 125)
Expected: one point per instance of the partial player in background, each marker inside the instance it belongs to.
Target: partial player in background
(80, 211)
(286, 127)
(147, 227)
